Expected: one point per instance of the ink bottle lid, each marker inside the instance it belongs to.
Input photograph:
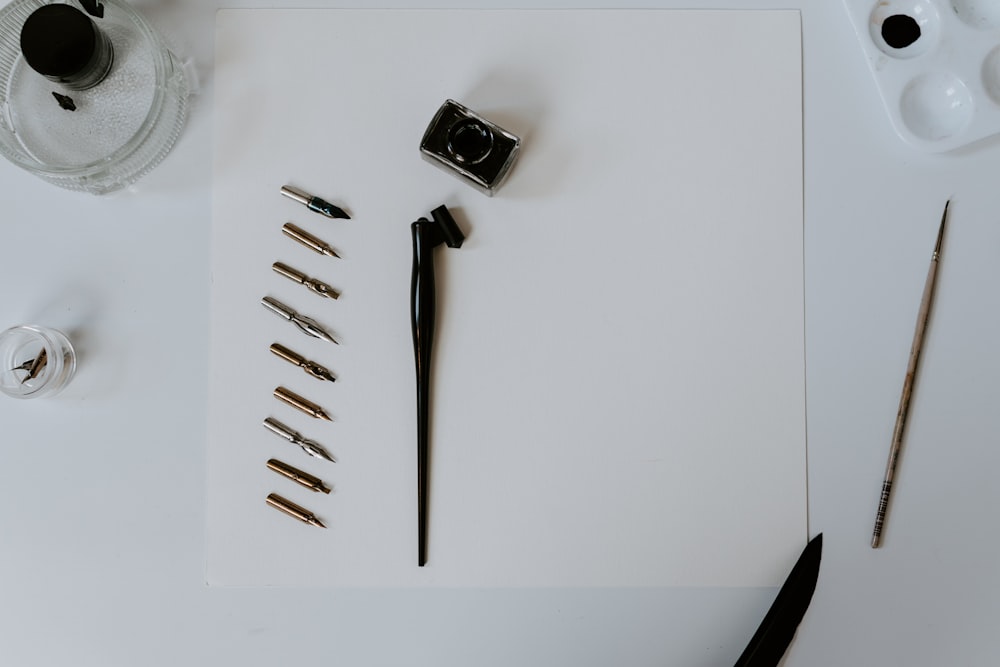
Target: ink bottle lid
(65, 45)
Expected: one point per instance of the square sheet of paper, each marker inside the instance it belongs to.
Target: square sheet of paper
(618, 393)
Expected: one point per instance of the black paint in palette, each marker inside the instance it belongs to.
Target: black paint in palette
(899, 31)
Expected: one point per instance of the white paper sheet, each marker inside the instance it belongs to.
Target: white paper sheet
(619, 379)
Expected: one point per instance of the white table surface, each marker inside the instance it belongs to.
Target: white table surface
(102, 524)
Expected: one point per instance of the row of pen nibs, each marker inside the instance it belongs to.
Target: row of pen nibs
(310, 327)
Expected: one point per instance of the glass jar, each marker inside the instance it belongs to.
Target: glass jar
(35, 361)
(106, 136)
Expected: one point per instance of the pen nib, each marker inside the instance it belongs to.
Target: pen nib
(310, 327)
(318, 372)
(314, 204)
(312, 449)
(328, 209)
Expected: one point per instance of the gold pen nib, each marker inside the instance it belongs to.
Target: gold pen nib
(291, 509)
(300, 477)
(301, 404)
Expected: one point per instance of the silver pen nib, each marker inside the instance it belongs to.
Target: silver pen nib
(311, 327)
(306, 324)
(308, 446)
(313, 449)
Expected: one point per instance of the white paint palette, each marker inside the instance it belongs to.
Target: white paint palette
(937, 66)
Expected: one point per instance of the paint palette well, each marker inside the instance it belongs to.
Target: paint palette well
(937, 66)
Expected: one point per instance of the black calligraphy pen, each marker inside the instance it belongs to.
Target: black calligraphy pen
(427, 235)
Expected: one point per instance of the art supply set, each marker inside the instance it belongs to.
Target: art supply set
(311, 328)
(479, 152)
(938, 96)
(907, 40)
(483, 411)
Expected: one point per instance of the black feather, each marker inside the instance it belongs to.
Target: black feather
(769, 643)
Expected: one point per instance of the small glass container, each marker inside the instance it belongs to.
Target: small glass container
(35, 361)
(97, 116)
